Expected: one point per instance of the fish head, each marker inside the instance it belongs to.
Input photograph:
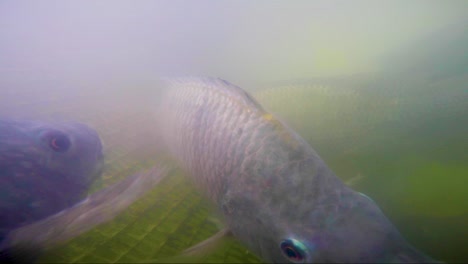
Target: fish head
(44, 168)
(305, 224)
(349, 228)
(72, 150)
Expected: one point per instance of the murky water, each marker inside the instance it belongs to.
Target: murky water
(380, 95)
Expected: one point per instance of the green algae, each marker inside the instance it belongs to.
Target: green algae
(157, 228)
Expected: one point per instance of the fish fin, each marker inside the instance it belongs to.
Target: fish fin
(96, 209)
(195, 254)
(174, 259)
(353, 180)
(207, 244)
(214, 219)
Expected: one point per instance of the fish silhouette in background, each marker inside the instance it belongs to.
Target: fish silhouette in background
(44, 168)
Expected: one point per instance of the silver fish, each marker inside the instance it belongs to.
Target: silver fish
(277, 195)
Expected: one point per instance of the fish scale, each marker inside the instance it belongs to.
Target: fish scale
(277, 195)
(245, 155)
(204, 125)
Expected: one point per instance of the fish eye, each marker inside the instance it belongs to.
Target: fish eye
(58, 141)
(294, 250)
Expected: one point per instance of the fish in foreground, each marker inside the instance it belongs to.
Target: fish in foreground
(277, 195)
(44, 168)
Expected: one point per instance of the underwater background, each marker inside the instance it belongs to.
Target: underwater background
(378, 90)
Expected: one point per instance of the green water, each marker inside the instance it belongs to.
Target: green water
(405, 141)
(157, 228)
(400, 126)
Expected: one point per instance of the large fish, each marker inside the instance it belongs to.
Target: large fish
(44, 168)
(277, 195)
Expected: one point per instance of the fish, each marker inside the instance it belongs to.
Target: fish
(46, 171)
(354, 113)
(277, 196)
(352, 119)
(45, 167)
(27, 243)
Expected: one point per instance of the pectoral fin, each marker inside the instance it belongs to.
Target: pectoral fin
(195, 254)
(98, 208)
(353, 180)
(208, 244)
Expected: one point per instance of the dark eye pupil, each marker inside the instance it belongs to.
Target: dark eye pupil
(291, 251)
(59, 142)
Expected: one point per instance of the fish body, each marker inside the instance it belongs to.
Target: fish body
(357, 113)
(406, 125)
(97, 208)
(44, 168)
(277, 195)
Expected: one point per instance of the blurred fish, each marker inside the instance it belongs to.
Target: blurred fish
(353, 113)
(97, 208)
(44, 168)
(389, 131)
(277, 195)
